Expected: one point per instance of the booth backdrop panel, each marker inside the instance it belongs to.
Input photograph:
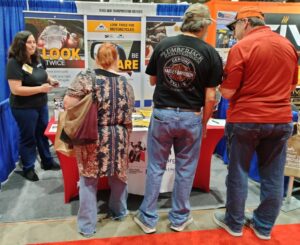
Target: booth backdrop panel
(11, 13)
(9, 137)
(287, 14)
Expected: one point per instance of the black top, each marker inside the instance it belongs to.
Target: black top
(31, 78)
(184, 67)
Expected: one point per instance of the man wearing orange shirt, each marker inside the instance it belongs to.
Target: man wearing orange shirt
(260, 73)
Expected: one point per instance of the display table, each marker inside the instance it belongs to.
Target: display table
(208, 145)
(138, 163)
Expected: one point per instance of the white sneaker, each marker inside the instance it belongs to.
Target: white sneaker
(145, 228)
(219, 219)
(182, 226)
(258, 234)
(87, 235)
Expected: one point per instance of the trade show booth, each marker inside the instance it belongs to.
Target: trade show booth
(134, 28)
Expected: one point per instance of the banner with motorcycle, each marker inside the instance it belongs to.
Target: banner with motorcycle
(138, 165)
(60, 40)
(157, 28)
(282, 18)
(125, 33)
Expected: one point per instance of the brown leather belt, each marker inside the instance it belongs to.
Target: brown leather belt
(178, 109)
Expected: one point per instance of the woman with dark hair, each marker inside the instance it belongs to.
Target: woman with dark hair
(29, 84)
(109, 156)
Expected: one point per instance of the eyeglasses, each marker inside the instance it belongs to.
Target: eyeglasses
(240, 20)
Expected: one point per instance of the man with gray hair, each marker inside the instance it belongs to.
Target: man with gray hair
(186, 71)
(260, 74)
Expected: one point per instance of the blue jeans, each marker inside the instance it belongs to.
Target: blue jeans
(32, 124)
(183, 131)
(87, 213)
(270, 143)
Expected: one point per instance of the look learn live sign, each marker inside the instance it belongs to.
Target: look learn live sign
(58, 57)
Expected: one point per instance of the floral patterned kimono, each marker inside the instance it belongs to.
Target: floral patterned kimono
(109, 156)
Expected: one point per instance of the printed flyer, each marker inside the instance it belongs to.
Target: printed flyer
(125, 33)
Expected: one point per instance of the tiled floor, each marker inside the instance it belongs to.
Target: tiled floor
(20, 233)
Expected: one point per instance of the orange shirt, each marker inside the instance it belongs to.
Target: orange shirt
(262, 68)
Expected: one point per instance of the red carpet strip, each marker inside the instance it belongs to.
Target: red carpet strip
(281, 235)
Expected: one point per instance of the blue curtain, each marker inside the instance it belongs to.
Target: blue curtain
(53, 6)
(12, 21)
(9, 138)
(171, 9)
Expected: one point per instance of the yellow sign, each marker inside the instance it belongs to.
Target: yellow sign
(114, 26)
(128, 65)
(65, 54)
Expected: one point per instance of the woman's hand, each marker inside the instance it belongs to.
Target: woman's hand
(53, 82)
(45, 88)
(17, 88)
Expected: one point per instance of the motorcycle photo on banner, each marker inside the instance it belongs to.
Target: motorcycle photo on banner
(60, 40)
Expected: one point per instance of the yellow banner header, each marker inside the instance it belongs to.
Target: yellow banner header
(114, 26)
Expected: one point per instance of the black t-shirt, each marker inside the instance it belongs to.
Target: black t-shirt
(184, 67)
(36, 77)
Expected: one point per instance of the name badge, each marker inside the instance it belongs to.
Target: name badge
(27, 68)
